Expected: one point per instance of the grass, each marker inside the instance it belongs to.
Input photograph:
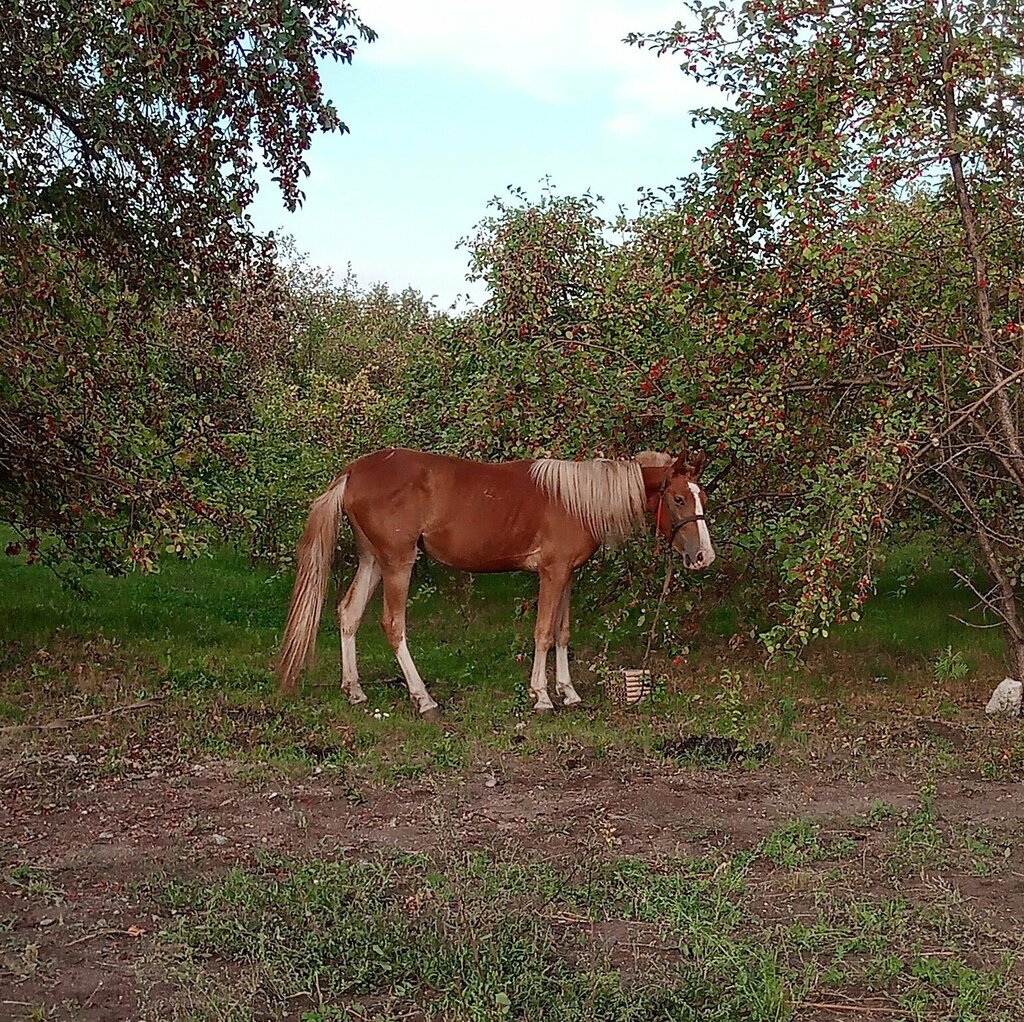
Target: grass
(202, 635)
(799, 843)
(739, 925)
(914, 615)
(919, 841)
(474, 937)
(35, 883)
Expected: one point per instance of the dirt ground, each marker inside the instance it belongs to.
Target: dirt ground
(95, 839)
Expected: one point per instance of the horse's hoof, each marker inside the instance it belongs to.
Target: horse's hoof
(358, 700)
(575, 704)
(543, 711)
(431, 716)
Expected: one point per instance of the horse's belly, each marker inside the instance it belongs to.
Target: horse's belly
(465, 553)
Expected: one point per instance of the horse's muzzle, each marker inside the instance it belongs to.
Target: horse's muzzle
(699, 561)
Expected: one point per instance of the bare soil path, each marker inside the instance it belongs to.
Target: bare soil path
(78, 846)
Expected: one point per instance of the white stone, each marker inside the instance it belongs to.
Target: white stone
(1006, 698)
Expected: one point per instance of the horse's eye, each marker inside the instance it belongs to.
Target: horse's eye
(678, 499)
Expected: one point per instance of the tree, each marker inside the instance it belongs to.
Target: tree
(127, 141)
(326, 360)
(854, 248)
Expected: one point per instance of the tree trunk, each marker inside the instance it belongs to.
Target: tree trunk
(1005, 604)
(976, 250)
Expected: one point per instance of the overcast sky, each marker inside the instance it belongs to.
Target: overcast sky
(456, 100)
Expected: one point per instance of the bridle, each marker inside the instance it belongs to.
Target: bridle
(675, 525)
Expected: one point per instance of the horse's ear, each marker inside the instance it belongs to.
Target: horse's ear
(679, 467)
(699, 460)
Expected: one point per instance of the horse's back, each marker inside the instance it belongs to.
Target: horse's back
(396, 467)
(476, 516)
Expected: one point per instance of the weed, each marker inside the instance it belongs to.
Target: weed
(730, 699)
(799, 843)
(985, 857)
(878, 811)
(397, 931)
(950, 665)
(34, 882)
(787, 717)
(918, 841)
(447, 754)
(467, 938)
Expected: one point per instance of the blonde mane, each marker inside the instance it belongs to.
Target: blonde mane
(606, 496)
(654, 459)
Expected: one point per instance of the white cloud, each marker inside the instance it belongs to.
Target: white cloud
(561, 51)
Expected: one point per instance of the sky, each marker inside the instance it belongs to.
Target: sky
(457, 100)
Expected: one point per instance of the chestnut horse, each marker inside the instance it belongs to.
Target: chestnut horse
(545, 516)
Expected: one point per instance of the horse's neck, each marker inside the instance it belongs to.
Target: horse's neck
(654, 480)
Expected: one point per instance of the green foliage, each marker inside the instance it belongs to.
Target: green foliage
(126, 160)
(831, 307)
(132, 128)
(950, 665)
(849, 259)
(560, 360)
(323, 394)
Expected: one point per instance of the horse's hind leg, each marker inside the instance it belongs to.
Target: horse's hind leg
(350, 612)
(563, 685)
(396, 593)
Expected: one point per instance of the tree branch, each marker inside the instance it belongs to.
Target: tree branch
(88, 151)
(971, 409)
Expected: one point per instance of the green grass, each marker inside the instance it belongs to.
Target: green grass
(35, 883)
(203, 635)
(222, 613)
(919, 840)
(801, 842)
(471, 937)
(914, 615)
(216, 621)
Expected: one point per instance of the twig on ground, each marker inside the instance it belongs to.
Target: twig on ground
(865, 1009)
(94, 935)
(69, 721)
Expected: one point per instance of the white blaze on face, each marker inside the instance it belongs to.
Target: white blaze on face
(702, 527)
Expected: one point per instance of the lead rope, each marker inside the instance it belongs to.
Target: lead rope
(657, 524)
(668, 578)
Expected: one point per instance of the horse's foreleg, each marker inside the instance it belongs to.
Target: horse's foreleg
(563, 685)
(396, 593)
(350, 612)
(549, 602)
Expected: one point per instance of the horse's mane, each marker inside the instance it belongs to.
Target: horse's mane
(606, 496)
(654, 459)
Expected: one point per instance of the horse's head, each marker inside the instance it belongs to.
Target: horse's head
(678, 501)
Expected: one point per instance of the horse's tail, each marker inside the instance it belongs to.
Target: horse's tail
(313, 564)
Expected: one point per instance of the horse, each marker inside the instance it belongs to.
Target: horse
(545, 516)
